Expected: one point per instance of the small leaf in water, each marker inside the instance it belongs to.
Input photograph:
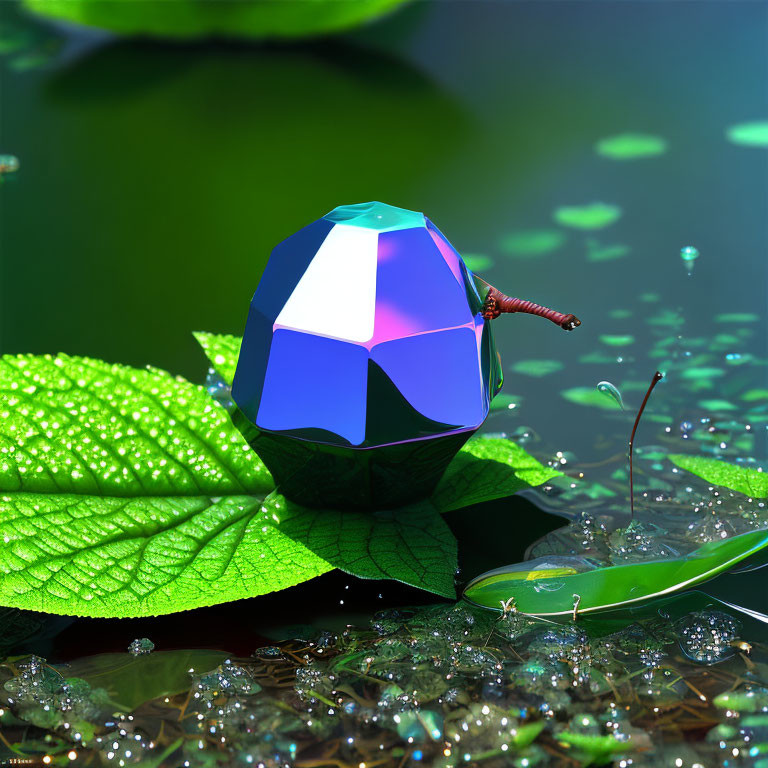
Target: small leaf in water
(631, 146)
(753, 134)
(705, 373)
(717, 405)
(478, 262)
(530, 243)
(750, 482)
(591, 216)
(537, 367)
(611, 391)
(588, 396)
(755, 395)
(600, 588)
(504, 402)
(597, 253)
(737, 317)
(617, 340)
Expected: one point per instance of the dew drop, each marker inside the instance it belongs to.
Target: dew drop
(611, 391)
(689, 254)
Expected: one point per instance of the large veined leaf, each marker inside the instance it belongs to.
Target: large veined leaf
(117, 557)
(488, 468)
(229, 18)
(548, 586)
(129, 492)
(411, 544)
(750, 482)
(76, 425)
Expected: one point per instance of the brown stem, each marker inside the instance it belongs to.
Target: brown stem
(497, 303)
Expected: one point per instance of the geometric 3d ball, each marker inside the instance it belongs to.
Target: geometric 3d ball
(366, 362)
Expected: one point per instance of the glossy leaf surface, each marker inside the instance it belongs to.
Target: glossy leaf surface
(192, 19)
(411, 544)
(748, 481)
(609, 587)
(488, 468)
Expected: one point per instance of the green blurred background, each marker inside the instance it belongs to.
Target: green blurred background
(156, 177)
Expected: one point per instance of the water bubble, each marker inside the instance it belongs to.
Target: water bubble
(611, 391)
(706, 636)
(141, 647)
(689, 254)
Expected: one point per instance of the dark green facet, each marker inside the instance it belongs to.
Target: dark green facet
(317, 474)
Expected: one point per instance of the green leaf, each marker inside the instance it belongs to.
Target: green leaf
(117, 557)
(548, 587)
(750, 482)
(411, 544)
(591, 216)
(226, 18)
(129, 492)
(631, 146)
(222, 350)
(488, 468)
(590, 396)
(132, 680)
(77, 425)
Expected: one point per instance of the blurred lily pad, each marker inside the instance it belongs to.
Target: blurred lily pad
(223, 18)
(531, 242)
(590, 396)
(717, 404)
(737, 317)
(631, 146)
(478, 262)
(537, 367)
(597, 252)
(591, 216)
(749, 134)
(504, 402)
(617, 340)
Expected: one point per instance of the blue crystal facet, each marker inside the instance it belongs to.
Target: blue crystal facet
(364, 333)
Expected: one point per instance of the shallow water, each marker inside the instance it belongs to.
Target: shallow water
(153, 182)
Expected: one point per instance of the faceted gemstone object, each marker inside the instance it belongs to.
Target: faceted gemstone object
(366, 362)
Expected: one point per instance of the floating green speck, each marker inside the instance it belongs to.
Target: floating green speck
(692, 374)
(504, 402)
(620, 314)
(531, 242)
(597, 253)
(589, 396)
(649, 298)
(478, 262)
(631, 146)
(736, 317)
(591, 216)
(617, 340)
(749, 134)
(754, 395)
(717, 405)
(537, 367)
